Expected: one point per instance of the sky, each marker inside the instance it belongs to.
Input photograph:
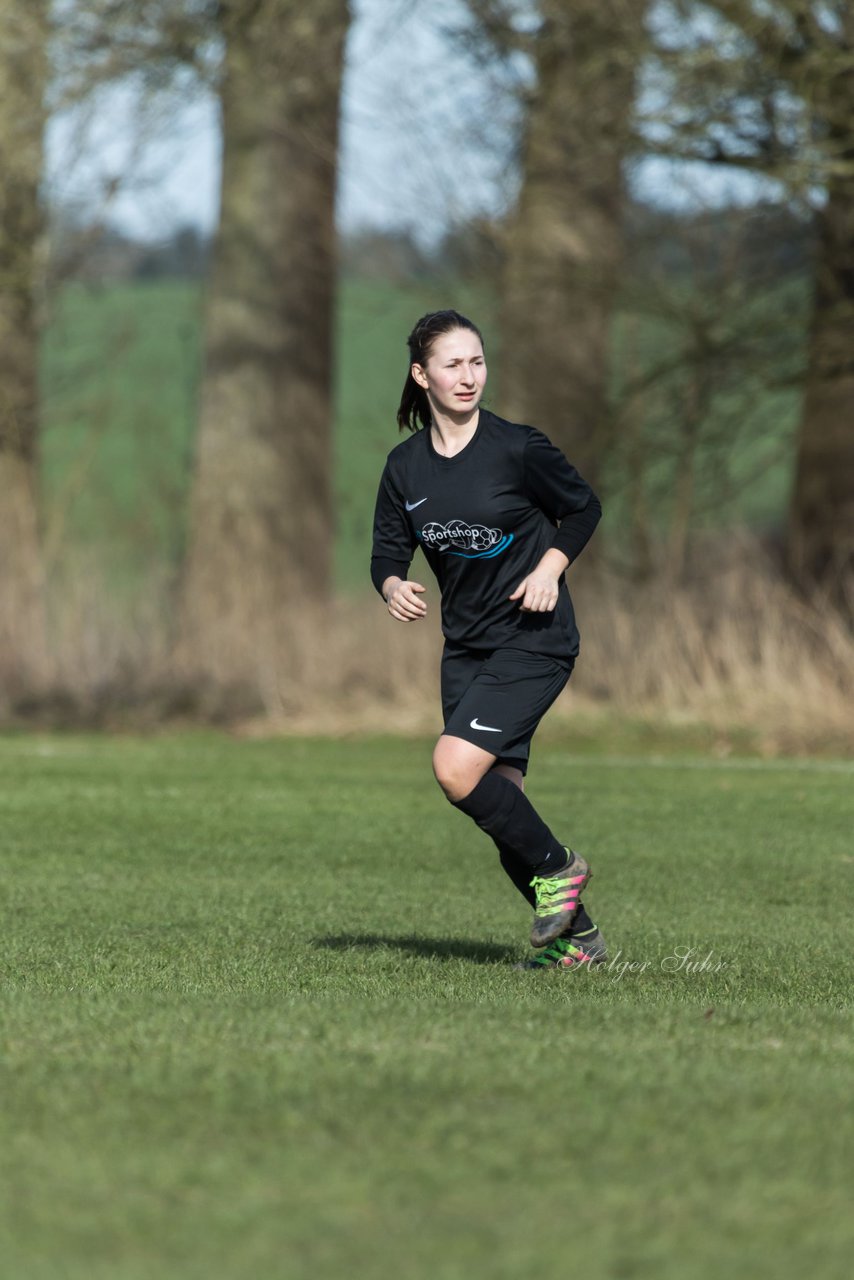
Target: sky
(424, 141)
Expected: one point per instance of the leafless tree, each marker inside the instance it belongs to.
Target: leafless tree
(564, 242)
(261, 520)
(769, 88)
(260, 525)
(23, 77)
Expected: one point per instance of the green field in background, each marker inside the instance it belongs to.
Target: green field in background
(120, 374)
(260, 1019)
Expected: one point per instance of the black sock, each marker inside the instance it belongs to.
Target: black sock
(582, 923)
(504, 812)
(520, 873)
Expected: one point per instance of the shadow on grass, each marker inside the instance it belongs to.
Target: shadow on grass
(441, 948)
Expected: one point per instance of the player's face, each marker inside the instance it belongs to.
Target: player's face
(455, 372)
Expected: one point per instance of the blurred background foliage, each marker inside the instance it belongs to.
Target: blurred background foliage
(647, 207)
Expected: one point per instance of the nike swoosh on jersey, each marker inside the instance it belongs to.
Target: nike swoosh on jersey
(410, 506)
(487, 728)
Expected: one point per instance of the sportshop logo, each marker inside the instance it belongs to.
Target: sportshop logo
(472, 541)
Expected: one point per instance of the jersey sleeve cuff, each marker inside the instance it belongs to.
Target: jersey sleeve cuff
(382, 568)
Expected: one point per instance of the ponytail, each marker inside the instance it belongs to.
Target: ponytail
(414, 410)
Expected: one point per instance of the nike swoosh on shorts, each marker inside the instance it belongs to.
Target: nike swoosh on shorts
(487, 728)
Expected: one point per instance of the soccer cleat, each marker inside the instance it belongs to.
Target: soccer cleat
(557, 898)
(570, 952)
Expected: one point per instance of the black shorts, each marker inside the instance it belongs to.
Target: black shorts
(495, 699)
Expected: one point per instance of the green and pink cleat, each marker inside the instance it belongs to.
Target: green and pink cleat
(574, 951)
(557, 899)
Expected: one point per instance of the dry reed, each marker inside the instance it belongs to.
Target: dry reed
(736, 648)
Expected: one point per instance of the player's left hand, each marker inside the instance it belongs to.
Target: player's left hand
(538, 592)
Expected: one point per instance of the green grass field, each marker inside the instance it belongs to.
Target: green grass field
(260, 1019)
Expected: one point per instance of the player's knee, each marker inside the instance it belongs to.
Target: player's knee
(454, 774)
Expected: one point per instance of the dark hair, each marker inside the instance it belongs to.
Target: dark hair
(414, 408)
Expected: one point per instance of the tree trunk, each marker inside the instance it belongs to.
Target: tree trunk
(821, 523)
(261, 516)
(23, 76)
(565, 243)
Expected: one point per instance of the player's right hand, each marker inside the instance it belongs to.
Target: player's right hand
(403, 602)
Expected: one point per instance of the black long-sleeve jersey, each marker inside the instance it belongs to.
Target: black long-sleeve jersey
(484, 519)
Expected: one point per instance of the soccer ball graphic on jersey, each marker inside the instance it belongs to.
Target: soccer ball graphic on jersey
(459, 534)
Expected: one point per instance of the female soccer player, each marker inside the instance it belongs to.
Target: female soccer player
(499, 514)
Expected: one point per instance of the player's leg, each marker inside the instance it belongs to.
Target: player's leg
(503, 700)
(513, 867)
(558, 875)
(581, 943)
(518, 871)
(466, 775)
(460, 766)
